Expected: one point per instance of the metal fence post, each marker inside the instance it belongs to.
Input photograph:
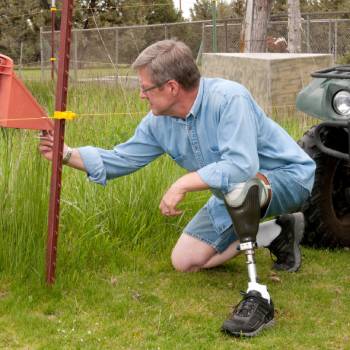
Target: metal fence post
(75, 47)
(226, 37)
(203, 37)
(165, 32)
(21, 61)
(330, 36)
(41, 54)
(308, 34)
(116, 47)
(214, 34)
(335, 40)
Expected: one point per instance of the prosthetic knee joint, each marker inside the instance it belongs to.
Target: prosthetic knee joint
(244, 204)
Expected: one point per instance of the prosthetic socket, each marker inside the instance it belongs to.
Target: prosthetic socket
(244, 206)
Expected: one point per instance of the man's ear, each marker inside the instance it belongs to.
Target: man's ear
(174, 86)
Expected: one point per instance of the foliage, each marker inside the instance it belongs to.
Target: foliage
(119, 12)
(280, 6)
(20, 21)
(202, 9)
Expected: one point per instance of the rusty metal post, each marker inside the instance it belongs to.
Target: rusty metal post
(60, 105)
(53, 25)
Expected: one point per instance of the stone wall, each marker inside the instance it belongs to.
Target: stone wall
(274, 79)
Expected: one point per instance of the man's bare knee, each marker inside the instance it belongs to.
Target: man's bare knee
(190, 254)
(183, 264)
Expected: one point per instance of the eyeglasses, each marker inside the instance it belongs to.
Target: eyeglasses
(145, 90)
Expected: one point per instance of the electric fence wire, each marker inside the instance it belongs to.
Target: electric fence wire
(112, 63)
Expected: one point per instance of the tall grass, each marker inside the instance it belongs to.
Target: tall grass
(99, 226)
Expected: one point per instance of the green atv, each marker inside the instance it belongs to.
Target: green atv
(327, 212)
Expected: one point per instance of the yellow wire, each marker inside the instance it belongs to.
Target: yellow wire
(78, 115)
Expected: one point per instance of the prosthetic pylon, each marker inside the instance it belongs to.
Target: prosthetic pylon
(243, 205)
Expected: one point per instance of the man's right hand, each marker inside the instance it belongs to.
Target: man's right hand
(46, 149)
(46, 145)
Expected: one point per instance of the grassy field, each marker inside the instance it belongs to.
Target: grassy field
(35, 73)
(115, 285)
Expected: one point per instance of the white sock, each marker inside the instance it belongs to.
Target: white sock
(261, 288)
(267, 232)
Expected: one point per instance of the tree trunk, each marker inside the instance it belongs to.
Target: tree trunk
(294, 26)
(254, 29)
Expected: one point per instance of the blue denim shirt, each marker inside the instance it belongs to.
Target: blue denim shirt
(226, 138)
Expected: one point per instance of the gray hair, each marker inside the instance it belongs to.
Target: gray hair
(169, 59)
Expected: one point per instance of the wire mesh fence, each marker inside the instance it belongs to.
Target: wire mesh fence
(109, 51)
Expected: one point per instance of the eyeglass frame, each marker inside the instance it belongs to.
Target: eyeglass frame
(144, 91)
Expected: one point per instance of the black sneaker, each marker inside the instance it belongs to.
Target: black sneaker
(286, 246)
(250, 316)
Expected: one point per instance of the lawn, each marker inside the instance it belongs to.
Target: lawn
(115, 286)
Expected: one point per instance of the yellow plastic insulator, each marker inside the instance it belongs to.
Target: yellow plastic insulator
(53, 9)
(68, 115)
(52, 59)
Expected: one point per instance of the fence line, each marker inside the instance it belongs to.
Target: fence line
(125, 42)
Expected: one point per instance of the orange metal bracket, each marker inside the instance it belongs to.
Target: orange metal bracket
(18, 108)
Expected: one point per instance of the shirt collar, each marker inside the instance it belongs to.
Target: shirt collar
(197, 102)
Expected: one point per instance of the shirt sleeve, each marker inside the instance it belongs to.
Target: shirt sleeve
(237, 135)
(102, 165)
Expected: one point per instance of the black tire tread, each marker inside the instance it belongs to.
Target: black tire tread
(319, 230)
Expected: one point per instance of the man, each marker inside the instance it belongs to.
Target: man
(215, 130)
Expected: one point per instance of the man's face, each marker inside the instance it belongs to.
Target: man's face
(160, 97)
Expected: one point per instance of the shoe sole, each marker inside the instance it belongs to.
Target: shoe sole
(248, 334)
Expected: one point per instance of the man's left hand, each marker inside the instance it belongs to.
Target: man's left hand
(170, 200)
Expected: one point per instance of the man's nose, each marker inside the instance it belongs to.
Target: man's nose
(142, 94)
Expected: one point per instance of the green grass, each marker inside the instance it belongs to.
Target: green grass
(35, 73)
(115, 286)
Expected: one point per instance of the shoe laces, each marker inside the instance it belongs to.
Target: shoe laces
(246, 306)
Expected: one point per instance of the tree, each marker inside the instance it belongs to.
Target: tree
(294, 26)
(280, 6)
(254, 27)
(238, 7)
(20, 22)
(162, 12)
(202, 9)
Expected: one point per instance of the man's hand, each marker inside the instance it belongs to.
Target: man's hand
(176, 193)
(46, 149)
(169, 202)
(46, 145)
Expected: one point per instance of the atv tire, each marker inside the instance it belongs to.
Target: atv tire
(327, 211)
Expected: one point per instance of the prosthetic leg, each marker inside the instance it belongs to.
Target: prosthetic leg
(256, 310)
(243, 205)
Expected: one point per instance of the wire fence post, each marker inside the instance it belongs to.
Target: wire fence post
(214, 34)
(21, 61)
(41, 55)
(226, 37)
(203, 37)
(116, 46)
(335, 40)
(330, 37)
(58, 144)
(308, 49)
(75, 47)
(165, 32)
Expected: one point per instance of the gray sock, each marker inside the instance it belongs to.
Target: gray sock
(267, 232)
